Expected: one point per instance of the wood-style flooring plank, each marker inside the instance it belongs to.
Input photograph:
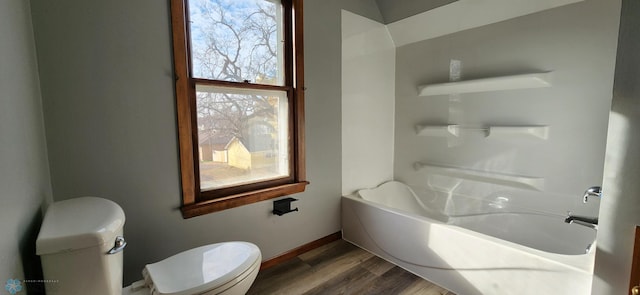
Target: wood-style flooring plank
(424, 287)
(337, 249)
(327, 270)
(321, 272)
(349, 282)
(272, 279)
(318, 251)
(393, 281)
(340, 268)
(377, 265)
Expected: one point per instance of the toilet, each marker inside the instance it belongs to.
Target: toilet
(80, 245)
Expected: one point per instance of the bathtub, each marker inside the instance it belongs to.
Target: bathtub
(490, 252)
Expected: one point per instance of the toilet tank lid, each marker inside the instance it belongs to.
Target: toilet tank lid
(202, 269)
(79, 223)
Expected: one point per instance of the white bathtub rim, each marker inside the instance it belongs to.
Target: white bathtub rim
(580, 262)
(442, 217)
(515, 208)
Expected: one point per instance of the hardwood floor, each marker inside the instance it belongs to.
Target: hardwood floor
(340, 268)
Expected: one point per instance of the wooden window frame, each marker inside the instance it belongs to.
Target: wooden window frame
(196, 202)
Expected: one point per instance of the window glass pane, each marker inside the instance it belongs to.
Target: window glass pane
(237, 40)
(242, 136)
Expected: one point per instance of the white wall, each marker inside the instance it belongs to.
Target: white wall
(368, 78)
(576, 42)
(24, 173)
(107, 86)
(619, 211)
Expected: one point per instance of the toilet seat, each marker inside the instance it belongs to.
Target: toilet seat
(209, 269)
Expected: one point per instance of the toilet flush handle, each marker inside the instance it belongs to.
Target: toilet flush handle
(118, 245)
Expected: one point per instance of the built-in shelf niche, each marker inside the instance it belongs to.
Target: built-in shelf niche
(512, 180)
(524, 81)
(501, 132)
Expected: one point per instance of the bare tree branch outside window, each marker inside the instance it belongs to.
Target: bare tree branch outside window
(238, 41)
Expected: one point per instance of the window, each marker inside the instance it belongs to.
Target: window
(240, 101)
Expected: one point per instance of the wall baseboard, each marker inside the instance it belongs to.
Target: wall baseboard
(299, 250)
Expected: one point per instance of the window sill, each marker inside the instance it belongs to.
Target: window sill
(211, 206)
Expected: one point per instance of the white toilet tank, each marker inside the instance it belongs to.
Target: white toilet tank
(74, 244)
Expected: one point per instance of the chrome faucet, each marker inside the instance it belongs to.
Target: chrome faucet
(594, 191)
(590, 222)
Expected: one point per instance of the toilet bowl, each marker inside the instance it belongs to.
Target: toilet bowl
(225, 268)
(80, 244)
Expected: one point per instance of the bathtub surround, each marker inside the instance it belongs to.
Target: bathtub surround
(577, 44)
(368, 76)
(109, 108)
(25, 188)
(507, 180)
(549, 142)
(552, 132)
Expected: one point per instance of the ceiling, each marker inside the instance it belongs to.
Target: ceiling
(394, 10)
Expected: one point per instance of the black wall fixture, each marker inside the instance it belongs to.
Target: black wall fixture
(283, 206)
